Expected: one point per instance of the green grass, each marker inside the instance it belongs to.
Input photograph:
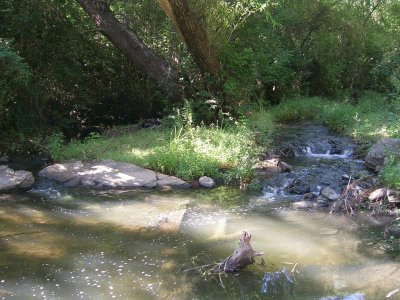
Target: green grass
(373, 118)
(391, 173)
(187, 152)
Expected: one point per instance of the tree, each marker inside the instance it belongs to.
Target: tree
(126, 40)
(192, 28)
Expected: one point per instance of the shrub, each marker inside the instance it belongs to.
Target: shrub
(55, 145)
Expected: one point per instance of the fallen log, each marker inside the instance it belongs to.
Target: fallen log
(241, 257)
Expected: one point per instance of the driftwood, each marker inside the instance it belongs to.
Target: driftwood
(241, 257)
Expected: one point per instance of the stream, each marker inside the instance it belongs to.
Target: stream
(58, 243)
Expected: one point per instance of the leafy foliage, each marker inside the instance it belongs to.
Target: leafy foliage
(59, 74)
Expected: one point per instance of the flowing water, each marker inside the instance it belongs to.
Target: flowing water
(57, 243)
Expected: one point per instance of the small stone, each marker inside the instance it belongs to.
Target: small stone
(377, 194)
(330, 194)
(206, 182)
(346, 177)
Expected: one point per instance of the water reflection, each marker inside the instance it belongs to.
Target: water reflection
(140, 246)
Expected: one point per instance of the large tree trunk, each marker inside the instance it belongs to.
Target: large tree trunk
(122, 37)
(194, 33)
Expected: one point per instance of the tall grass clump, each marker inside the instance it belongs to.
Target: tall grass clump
(297, 110)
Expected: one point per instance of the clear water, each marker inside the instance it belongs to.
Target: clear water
(141, 245)
(76, 244)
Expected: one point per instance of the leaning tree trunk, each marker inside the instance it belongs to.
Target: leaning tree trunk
(194, 33)
(241, 257)
(123, 37)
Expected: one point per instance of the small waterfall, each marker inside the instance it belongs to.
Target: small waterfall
(319, 159)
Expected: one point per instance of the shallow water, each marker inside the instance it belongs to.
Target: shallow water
(57, 243)
(87, 246)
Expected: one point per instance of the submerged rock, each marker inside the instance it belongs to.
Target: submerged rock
(303, 204)
(279, 283)
(380, 152)
(297, 186)
(109, 174)
(11, 180)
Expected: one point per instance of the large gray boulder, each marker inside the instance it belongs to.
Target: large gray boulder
(109, 174)
(380, 152)
(11, 180)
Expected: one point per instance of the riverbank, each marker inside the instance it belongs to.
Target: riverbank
(228, 153)
(225, 153)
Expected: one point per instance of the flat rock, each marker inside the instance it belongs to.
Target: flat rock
(206, 182)
(109, 174)
(11, 180)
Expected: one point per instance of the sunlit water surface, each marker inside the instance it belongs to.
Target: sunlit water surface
(58, 244)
